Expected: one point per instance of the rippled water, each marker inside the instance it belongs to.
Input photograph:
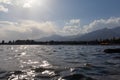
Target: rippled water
(40, 62)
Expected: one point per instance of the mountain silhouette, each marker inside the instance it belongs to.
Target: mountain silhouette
(105, 33)
(100, 34)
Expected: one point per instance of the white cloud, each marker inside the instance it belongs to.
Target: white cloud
(102, 23)
(73, 22)
(28, 29)
(3, 9)
(72, 27)
(5, 1)
(71, 30)
(20, 3)
(25, 29)
(27, 5)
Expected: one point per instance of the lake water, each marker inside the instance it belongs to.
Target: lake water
(58, 62)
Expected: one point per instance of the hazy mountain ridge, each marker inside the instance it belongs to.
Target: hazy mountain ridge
(98, 34)
(57, 38)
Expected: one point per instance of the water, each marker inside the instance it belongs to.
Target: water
(58, 62)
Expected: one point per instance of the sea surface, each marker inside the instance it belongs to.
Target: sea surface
(58, 62)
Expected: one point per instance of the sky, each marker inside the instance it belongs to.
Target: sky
(34, 19)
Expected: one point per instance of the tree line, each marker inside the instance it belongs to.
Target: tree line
(112, 41)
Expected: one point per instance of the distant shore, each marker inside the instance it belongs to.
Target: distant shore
(60, 43)
(113, 41)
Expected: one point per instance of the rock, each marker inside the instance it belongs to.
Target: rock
(44, 76)
(39, 69)
(112, 50)
(75, 77)
(117, 57)
(88, 65)
(18, 72)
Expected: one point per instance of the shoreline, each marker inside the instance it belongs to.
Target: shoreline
(68, 44)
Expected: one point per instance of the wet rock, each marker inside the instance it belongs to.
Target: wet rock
(18, 72)
(117, 57)
(39, 69)
(88, 65)
(75, 77)
(112, 50)
(46, 74)
(43, 76)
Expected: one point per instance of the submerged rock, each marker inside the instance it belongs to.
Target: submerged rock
(75, 77)
(117, 57)
(18, 72)
(112, 50)
(39, 69)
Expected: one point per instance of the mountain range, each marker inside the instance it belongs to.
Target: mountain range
(105, 33)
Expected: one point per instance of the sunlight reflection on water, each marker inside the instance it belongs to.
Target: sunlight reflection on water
(37, 62)
(45, 64)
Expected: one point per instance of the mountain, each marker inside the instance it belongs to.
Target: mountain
(56, 38)
(98, 34)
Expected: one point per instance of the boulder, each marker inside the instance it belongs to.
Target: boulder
(75, 77)
(117, 50)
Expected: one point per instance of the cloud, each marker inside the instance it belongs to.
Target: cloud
(29, 29)
(73, 22)
(5, 1)
(20, 3)
(27, 5)
(25, 29)
(72, 27)
(102, 23)
(3, 9)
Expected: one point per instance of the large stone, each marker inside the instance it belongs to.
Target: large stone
(75, 77)
(117, 50)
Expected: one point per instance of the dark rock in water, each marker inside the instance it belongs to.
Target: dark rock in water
(76, 77)
(43, 76)
(117, 57)
(88, 65)
(39, 69)
(112, 50)
(18, 72)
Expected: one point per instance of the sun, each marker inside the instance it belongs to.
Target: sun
(29, 3)
(33, 3)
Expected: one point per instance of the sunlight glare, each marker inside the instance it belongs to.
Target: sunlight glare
(33, 3)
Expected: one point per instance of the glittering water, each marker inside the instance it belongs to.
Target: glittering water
(38, 62)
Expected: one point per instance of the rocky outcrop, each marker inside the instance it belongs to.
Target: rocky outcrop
(76, 77)
(112, 50)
